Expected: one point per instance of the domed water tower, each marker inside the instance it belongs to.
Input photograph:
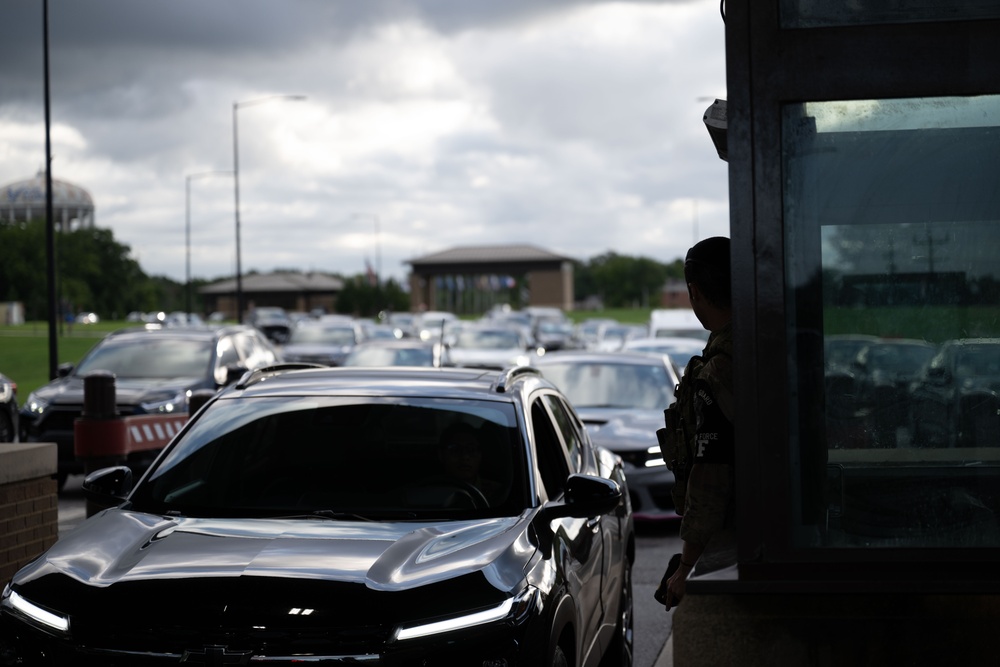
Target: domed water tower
(72, 206)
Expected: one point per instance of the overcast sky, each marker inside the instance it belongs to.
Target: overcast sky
(572, 125)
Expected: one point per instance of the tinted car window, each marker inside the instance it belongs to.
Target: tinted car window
(279, 456)
(568, 428)
(150, 358)
(553, 467)
(324, 335)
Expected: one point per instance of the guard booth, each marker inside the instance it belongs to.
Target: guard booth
(863, 143)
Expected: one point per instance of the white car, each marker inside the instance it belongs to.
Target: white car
(488, 347)
(680, 349)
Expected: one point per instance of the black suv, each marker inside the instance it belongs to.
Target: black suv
(348, 515)
(8, 409)
(156, 370)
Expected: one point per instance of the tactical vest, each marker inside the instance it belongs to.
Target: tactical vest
(677, 438)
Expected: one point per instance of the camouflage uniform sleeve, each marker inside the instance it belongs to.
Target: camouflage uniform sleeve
(710, 485)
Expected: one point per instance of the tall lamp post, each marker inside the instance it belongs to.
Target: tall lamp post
(187, 233)
(236, 190)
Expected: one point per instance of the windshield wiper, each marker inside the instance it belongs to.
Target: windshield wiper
(334, 514)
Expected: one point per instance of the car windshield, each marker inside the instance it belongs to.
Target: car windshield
(150, 358)
(549, 327)
(906, 359)
(350, 458)
(978, 360)
(680, 354)
(612, 385)
(488, 340)
(386, 356)
(322, 335)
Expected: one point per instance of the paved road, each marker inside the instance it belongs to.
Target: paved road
(654, 545)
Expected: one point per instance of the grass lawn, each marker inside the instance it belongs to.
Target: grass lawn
(24, 351)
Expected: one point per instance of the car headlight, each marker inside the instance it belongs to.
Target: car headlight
(35, 404)
(166, 403)
(6, 391)
(513, 607)
(13, 600)
(654, 457)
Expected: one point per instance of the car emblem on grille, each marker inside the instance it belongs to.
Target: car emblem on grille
(215, 655)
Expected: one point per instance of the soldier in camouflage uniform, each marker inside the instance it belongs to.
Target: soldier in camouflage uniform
(706, 395)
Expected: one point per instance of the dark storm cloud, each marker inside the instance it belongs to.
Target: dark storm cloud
(449, 121)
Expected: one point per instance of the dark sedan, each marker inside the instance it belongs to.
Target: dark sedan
(883, 372)
(956, 399)
(272, 322)
(321, 343)
(8, 409)
(156, 369)
(621, 397)
(319, 516)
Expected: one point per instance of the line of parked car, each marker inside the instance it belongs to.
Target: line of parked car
(890, 392)
(332, 512)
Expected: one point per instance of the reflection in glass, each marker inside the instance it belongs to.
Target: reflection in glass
(892, 217)
(820, 13)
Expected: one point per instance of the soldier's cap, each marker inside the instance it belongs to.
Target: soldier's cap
(712, 251)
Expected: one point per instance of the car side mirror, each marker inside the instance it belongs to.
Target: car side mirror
(233, 373)
(65, 369)
(108, 486)
(585, 496)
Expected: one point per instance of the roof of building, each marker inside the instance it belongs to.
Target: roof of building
(278, 282)
(489, 254)
(31, 193)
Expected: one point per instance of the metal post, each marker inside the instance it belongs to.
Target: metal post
(50, 243)
(236, 191)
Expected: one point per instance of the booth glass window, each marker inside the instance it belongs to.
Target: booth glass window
(892, 224)
(832, 13)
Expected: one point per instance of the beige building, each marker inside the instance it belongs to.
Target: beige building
(292, 291)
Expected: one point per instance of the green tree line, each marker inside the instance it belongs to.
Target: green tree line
(620, 281)
(94, 272)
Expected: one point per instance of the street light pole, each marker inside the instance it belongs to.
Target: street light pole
(236, 191)
(187, 234)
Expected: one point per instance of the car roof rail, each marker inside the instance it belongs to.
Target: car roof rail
(508, 375)
(258, 374)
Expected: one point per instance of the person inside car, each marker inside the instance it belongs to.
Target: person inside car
(461, 456)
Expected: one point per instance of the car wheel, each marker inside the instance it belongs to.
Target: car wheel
(620, 653)
(559, 658)
(6, 428)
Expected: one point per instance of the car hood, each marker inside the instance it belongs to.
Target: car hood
(69, 390)
(123, 549)
(620, 429)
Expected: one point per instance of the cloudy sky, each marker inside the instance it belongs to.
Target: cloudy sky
(573, 125)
